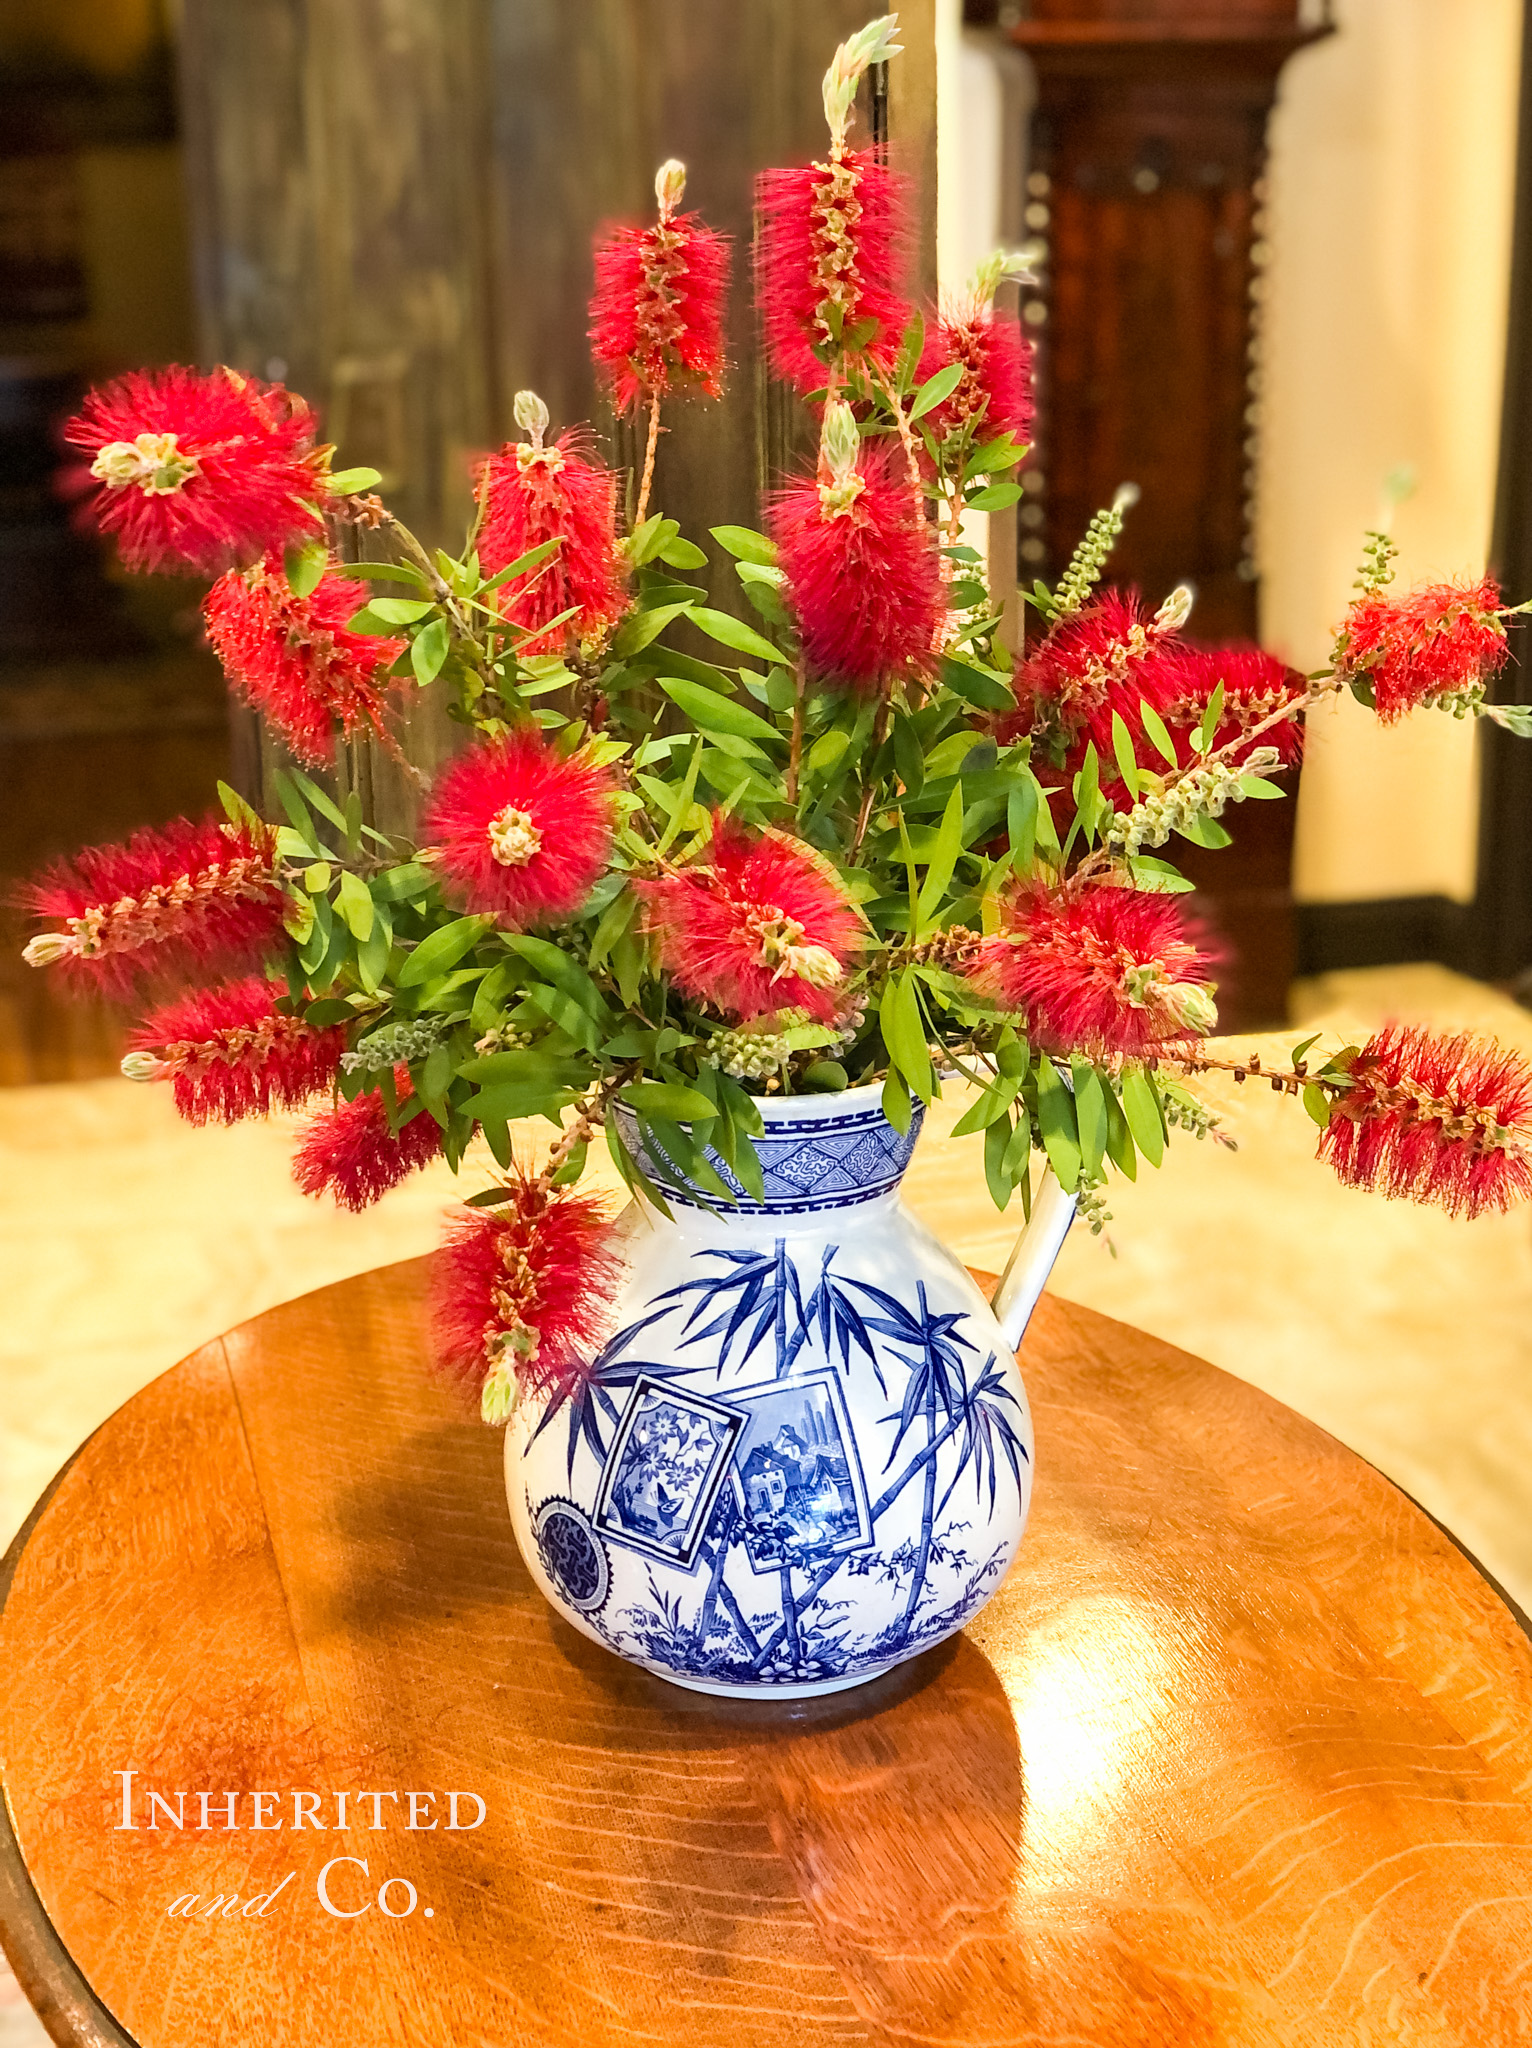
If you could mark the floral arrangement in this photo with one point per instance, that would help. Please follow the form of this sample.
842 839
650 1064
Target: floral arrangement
864 843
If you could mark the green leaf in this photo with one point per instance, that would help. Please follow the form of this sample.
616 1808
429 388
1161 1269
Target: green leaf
344 483
561 968
1158 732
1056 1124
994 497
1305 1044
935 389
403 884
897 1104
827 751
1212 713
980 687
1021 809
705 708
983 1110
305 566
1156 877
532 559
904 1033
1122 748
669 1100
428 650
505 1102
1091 1120
645 541
949 844
400 611
639 628
1317 1102
442 949
1205 832
1119 1139
571 1017
1141 1106
997 1140
372 953
1258 787
683 554
354 904
731 632
745 544
909 760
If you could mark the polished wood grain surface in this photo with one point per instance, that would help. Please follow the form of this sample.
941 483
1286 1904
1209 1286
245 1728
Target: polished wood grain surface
1241 1753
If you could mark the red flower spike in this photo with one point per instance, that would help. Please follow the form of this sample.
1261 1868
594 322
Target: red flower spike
657 313
1108 656
197 473
523 1293
831 245
229 1052
534 494
994 393
520 833
177 898
765 925
1107 972
293 659
349 1151
863 577
1435 1117
1255 685
1438 646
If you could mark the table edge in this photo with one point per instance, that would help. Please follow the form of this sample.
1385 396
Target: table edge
53 1981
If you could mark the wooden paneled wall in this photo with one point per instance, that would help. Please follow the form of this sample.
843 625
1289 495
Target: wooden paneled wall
393 207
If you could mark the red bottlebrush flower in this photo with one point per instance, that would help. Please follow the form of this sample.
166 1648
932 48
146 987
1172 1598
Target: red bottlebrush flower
349 1151
1437 647
523 1293
829 252
1111 973
994 393
1255 684
862 574
172 898
765 925
196 472
1443 1118
535 494
229 1052
1108 656
657 313
518 832
292 658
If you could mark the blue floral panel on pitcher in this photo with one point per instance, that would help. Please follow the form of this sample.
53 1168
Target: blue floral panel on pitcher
797 1480
664 1471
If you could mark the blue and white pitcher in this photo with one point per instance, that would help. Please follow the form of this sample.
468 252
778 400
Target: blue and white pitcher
805 1454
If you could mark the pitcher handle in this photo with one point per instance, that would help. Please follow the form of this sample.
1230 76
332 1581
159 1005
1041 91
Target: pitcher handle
1031 1262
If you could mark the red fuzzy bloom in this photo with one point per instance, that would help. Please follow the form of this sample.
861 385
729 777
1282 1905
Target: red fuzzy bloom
1108 656
765 925
349 1151
1255 685
538 494
994 393
1444 1118
1442 642
292 658
229 1052
828 256
199 472
863 575
173 898
657 313
1107 972
520 833
523 1293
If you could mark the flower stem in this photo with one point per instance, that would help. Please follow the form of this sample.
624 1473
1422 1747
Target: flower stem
864 815
647 485
795 752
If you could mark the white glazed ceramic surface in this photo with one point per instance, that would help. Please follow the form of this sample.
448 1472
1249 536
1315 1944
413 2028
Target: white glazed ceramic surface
805 1454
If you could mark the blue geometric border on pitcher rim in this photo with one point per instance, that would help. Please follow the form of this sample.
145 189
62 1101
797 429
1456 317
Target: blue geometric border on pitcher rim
831 1162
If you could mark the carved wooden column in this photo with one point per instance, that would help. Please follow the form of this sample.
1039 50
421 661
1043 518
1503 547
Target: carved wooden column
1144 196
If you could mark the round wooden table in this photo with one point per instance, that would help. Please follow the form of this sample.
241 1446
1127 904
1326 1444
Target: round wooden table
1240 1753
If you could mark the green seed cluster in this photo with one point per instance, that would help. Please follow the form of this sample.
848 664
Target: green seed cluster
1202 792
502 1038
394 1046
1189 1115
747 1055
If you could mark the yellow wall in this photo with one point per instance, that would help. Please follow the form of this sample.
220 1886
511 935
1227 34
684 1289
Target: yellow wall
1389 228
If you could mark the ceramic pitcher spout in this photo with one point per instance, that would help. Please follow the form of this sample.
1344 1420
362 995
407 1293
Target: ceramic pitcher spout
1027 1269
